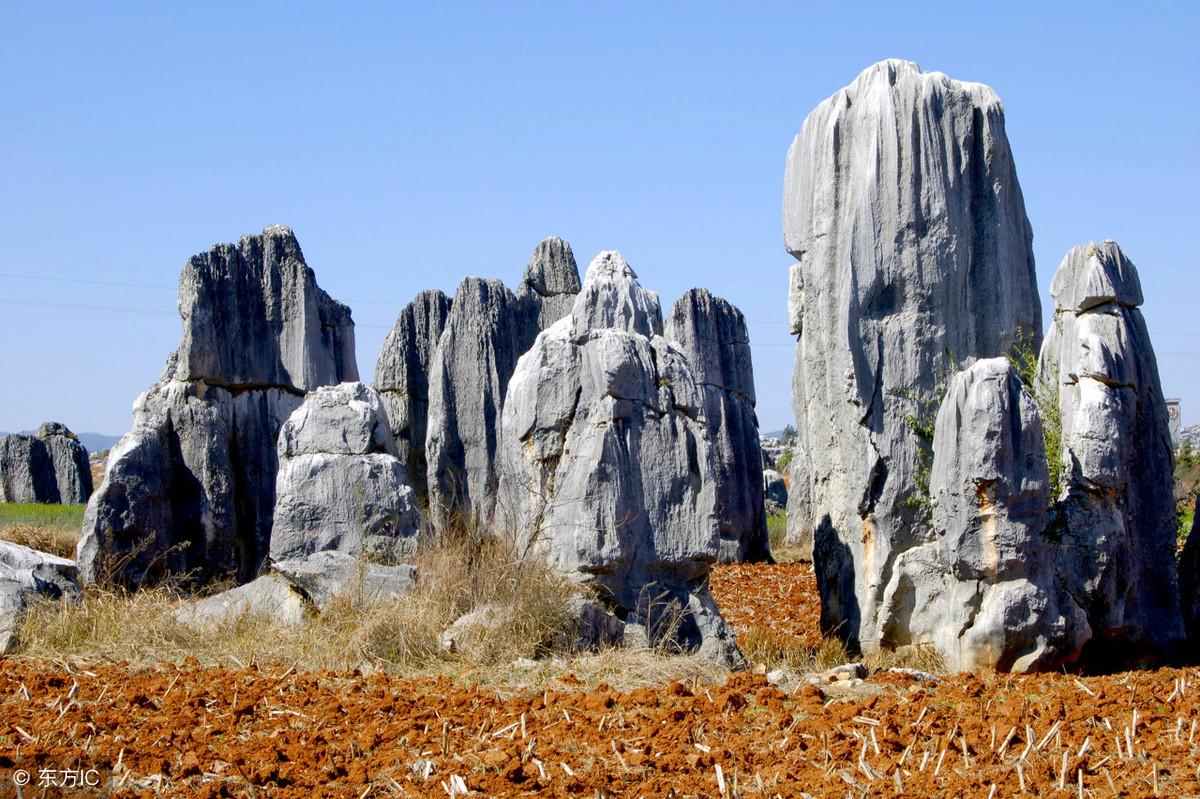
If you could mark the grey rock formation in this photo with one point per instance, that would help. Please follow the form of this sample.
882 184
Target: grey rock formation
712 335
1116 512
12 611
341 485
190 490
26 575
402 377
327 576
902 208
548 288
607 468
270 598
254 317
50 466
475 358
800 526
295 591
1189 582
775 488
982 591
39 572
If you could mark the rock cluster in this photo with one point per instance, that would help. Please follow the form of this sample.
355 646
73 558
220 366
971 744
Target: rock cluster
444 370
1116 512
191 488
983 589
609 464
713 337
902 209
49 466
341 484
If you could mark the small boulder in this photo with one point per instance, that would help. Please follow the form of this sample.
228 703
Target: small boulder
12 611
327 576
268 598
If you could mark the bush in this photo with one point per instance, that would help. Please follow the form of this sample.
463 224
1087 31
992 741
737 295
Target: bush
1044 390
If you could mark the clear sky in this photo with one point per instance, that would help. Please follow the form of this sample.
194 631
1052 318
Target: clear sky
409 145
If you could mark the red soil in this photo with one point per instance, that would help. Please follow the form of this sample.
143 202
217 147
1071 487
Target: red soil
189 731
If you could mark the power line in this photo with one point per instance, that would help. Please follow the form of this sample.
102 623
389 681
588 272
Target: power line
86 281
81 307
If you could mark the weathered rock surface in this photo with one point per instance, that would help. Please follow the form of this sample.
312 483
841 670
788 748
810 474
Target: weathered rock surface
475 358
327 576
254 317
25 575
712 335
12 609
270 598
902 208
341 485
50 466
608 470
983 590
40 572
1116 513
548 287
800 523
191 488
402 376
294 591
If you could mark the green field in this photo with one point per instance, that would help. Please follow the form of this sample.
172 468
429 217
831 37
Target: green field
50 528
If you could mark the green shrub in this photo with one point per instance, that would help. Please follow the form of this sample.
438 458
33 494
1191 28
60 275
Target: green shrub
1044 390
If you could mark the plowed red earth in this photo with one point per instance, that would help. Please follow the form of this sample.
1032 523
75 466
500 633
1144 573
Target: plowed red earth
781 597
189 731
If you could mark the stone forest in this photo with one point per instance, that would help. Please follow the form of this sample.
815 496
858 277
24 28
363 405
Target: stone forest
975 492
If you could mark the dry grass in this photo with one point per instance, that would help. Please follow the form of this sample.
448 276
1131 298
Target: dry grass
50 528
458 573
54 540
768 648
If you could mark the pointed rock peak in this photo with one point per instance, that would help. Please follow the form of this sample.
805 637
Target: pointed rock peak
902 76
609 266
612 298
711 331
278 230
552 270
1095 274
477 292
49 429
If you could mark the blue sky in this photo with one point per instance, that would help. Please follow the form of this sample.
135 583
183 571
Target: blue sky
411 145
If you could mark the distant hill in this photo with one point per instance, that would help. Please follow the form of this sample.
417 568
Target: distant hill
95 442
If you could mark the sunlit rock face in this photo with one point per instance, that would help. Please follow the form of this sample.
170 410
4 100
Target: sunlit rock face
902 208
608 463
190 490
1116 512
712 334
